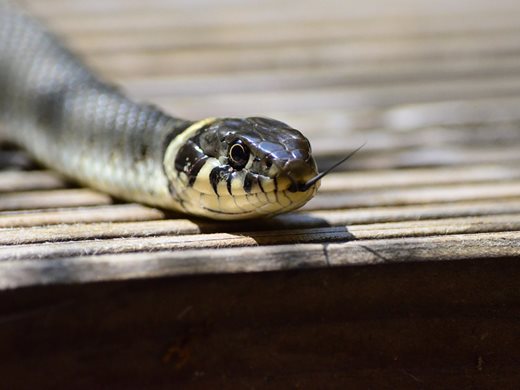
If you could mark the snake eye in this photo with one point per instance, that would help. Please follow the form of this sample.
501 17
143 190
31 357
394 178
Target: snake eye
238 155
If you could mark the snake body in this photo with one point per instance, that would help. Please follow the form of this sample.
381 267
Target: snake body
70 120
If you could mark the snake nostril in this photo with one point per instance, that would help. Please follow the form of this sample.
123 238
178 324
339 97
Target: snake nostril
268 163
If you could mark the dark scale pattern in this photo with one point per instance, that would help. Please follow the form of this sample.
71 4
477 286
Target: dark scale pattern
229 182
249 180
219 174
190 159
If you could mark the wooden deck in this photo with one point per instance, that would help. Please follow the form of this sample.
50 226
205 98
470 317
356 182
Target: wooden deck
433 88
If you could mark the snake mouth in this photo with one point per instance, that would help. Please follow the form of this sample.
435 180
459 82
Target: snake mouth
264 204
298 174
267 196
304 186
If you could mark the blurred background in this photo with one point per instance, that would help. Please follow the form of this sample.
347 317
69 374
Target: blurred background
424 83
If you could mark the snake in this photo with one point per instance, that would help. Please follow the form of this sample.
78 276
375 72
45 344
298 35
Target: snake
74 122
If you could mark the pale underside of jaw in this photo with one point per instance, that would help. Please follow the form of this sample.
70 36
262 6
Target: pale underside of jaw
245 206
265 197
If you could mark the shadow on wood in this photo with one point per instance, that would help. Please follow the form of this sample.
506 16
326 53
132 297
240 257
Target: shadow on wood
430 325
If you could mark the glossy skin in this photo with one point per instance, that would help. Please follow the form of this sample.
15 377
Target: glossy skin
265 177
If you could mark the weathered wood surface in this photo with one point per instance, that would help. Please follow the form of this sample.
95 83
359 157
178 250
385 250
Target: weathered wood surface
430 325
402 273
433 89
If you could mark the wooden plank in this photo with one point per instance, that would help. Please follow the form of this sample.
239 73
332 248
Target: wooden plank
448 226
444 113
231 59
27 272
161 233
172 37
415 212
52 199
296 78
344 98
452 247
19 273
420 156
281 12
59 9
426 195
461 122
170 240
415 177
97 231
11 181
112 213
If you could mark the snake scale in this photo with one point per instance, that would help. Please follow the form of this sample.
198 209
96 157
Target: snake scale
69 119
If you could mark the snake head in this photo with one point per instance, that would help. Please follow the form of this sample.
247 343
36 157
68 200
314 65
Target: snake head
241 168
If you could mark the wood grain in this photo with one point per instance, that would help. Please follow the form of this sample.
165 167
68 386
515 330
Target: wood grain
52 199
74 215
13 181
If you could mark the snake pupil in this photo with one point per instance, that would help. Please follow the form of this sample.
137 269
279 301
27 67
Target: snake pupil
238 155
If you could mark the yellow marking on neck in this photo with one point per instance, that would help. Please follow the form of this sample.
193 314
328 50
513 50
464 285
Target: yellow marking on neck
177 143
